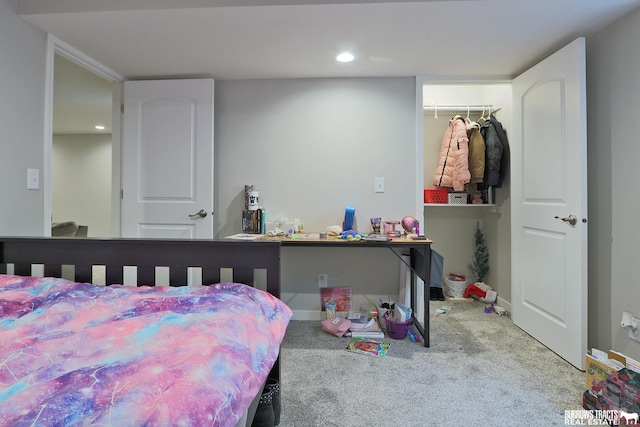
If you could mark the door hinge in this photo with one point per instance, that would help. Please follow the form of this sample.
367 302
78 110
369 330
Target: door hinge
121 194
122 108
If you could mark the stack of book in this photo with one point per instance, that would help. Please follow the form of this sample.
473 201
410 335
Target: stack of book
363 326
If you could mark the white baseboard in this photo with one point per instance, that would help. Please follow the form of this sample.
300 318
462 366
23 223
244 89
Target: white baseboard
307 315
504 304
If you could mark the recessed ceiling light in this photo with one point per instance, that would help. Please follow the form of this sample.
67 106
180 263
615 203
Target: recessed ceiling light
99 127
345 57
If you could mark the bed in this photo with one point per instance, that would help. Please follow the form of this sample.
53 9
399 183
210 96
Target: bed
76 352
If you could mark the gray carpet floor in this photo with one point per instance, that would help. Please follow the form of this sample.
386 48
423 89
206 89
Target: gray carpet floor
481 370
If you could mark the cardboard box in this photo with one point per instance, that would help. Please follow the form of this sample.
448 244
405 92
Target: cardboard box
610 388
613 400
596 371
631 393
614 385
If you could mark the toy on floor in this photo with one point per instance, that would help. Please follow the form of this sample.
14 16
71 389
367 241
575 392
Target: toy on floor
481 291
500 311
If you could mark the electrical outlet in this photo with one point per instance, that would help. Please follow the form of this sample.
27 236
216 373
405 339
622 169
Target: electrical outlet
634 335
323 280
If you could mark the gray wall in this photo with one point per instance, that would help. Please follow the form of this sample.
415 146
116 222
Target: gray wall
613 91
22 70
81 181
311 147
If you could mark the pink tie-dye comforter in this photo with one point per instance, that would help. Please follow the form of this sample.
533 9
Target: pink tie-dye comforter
81 354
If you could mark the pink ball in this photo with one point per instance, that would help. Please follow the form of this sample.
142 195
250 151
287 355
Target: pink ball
410 224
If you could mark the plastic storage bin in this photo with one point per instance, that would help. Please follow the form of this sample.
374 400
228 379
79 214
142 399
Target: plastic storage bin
435 195
397 330
458 198
455 288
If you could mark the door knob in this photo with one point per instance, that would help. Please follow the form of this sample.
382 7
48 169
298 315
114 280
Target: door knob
571 219
201 213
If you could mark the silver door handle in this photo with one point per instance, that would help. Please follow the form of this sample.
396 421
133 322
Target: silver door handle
571 219
201 213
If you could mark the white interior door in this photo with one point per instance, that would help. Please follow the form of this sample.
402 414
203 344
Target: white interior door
549 182
167 159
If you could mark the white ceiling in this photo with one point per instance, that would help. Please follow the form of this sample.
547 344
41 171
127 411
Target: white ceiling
253 39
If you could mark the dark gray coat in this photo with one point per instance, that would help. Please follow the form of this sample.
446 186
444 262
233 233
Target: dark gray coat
496 153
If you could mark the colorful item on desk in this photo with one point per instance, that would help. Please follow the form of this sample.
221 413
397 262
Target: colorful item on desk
390 228
410 225
253 199
376 223
263 222
352 235
349 217
334 230
305 236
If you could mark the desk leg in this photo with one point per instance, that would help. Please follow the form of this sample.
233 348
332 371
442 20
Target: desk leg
421 266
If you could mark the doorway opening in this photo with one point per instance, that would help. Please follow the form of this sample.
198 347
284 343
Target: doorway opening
81 152
81 179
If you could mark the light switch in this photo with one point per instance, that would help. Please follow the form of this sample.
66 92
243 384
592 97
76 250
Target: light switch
378 185
33 179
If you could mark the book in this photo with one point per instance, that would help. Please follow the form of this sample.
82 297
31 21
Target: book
364 323
365 334
372 348
377 238
245 236
340 296
401 313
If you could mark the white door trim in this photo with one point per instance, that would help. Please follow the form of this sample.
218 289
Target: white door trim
57 46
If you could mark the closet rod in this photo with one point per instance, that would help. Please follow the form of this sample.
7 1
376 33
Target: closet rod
461 108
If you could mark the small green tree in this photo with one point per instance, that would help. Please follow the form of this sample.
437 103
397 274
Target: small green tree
480 262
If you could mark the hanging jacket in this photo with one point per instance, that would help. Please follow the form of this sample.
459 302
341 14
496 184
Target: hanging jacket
496 153
453 165
506 152
493 154
476 153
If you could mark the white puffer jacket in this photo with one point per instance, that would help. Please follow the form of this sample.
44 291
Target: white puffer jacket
453 165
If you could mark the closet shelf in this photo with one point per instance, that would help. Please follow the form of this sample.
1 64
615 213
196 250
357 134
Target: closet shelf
453 205
491 208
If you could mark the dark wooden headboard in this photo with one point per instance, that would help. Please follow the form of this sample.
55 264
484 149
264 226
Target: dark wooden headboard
57 254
